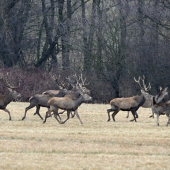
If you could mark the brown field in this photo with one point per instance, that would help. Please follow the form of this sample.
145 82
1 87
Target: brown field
95 145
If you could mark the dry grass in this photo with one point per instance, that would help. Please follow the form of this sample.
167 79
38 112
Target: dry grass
95 145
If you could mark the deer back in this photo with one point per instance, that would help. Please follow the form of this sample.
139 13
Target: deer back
128 103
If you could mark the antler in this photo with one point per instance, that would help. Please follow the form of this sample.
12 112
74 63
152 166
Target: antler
59 82
83 81
144 86
72 80
4 78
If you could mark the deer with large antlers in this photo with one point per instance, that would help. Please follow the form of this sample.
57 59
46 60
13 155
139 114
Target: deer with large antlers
129 104
68 102
6 98
149 98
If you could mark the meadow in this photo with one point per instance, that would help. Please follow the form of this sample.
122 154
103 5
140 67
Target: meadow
94 145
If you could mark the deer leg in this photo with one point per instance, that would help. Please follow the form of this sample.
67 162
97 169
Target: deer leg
158 119
108 111
55 115
75 112
37 112
113 115
72 114
26 109
134 115
152 114
68 116
127 114
168 119
5 110
47 115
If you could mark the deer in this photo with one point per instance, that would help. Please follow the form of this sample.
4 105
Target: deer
129 104
148 97
40 100
6 98
68 102
161 108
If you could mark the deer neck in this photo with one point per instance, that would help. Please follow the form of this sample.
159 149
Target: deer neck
79 101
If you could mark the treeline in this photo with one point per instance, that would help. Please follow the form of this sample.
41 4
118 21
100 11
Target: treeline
110 42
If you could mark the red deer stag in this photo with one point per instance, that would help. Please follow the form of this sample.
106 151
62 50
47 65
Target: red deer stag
68 103
5 99
128 104
148 98
161 108
40 100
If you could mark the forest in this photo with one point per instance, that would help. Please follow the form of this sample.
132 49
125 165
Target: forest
109 42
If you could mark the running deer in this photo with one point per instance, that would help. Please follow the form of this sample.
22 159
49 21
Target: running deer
6 98
148 97
40 100
161 108
68 102
129 104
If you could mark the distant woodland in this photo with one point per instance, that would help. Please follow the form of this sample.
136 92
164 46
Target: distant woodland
109 41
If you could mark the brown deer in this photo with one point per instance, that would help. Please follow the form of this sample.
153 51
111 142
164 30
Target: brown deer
6 98
68 102
161 108
40 100
148 98
129 104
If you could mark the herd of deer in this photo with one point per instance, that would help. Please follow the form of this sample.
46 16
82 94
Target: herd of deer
70 100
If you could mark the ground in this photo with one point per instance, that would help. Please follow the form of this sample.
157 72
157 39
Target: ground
95 145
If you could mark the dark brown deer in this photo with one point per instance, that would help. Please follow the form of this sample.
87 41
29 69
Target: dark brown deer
129 104
6 98
68 102
40 100
148 97
161 108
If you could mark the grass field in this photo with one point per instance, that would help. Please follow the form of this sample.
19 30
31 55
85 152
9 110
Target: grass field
95 145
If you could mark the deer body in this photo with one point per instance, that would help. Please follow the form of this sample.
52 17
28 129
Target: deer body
66 103
126 104
161 108
41 100
131 103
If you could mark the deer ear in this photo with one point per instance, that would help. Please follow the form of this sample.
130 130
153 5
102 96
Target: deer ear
160 88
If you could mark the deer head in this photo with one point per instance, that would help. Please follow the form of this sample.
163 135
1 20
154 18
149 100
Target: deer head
5 78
